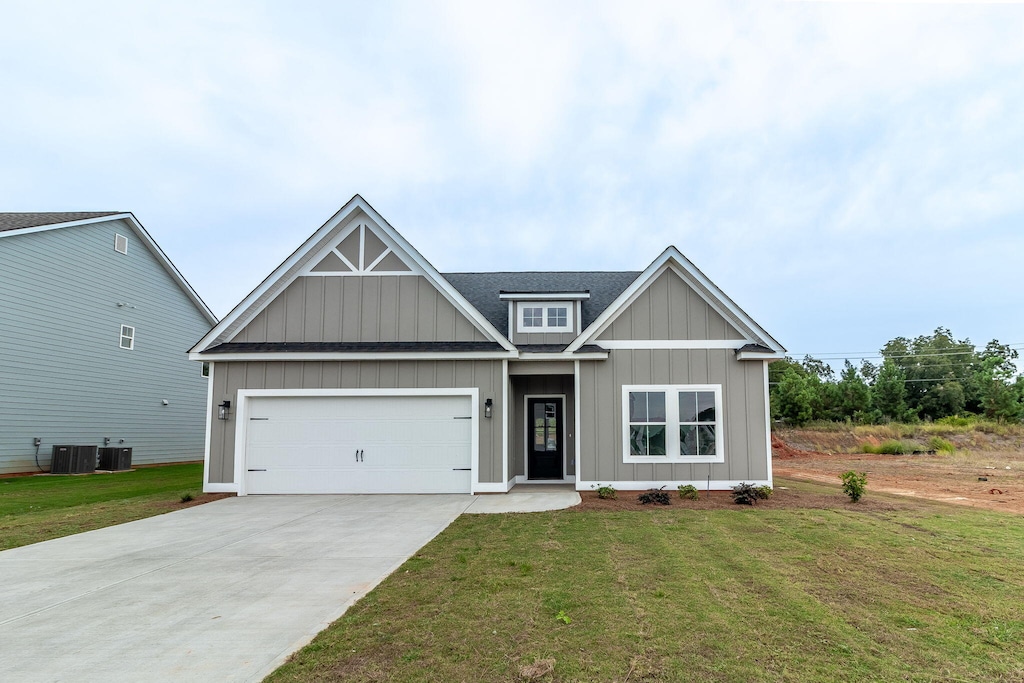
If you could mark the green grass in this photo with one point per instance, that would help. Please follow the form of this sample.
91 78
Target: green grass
38 508
912 591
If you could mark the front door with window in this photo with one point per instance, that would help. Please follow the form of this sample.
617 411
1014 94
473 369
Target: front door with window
544 438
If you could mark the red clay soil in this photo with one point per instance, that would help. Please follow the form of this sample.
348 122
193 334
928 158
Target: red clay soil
986 479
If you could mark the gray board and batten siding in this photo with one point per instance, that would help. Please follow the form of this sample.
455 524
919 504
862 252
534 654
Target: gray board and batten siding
744 419
371 308
669 309
228 378
64 377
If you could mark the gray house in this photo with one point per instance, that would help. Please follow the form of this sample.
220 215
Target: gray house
94 327
356 367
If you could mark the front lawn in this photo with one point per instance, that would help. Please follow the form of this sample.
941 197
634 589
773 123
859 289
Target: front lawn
902 590
38 508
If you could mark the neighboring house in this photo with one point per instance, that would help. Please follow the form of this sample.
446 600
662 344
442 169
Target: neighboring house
95 324
356 367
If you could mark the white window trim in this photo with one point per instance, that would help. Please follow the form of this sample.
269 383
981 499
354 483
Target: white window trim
671 392
130 336
570 313
119 236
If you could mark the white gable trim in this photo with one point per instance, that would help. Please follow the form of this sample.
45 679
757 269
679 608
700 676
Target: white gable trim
672 259
251 305
146 239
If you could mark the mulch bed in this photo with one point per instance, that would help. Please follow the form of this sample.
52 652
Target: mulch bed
781 499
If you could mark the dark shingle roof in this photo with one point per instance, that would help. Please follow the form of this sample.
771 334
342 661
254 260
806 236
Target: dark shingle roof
559 348
354 347
16 221
483 290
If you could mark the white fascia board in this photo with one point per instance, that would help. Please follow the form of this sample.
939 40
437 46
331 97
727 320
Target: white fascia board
141 233
67 224
544 296
759 355
672 258
328 356
699 344
343 214
563 356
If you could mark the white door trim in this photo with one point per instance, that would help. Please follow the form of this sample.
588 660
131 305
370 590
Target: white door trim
242 419
526 439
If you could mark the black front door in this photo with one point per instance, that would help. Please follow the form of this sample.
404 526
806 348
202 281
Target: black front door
544 450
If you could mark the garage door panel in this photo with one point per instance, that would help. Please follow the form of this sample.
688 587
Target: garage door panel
407 444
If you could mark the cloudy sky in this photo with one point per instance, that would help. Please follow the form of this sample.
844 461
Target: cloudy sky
846 172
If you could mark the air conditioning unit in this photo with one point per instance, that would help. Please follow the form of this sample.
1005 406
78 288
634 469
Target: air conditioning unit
73 460
115 459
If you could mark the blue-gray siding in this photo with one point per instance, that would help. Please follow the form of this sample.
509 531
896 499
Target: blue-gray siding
63 376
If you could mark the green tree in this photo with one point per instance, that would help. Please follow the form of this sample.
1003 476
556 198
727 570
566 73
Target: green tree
853 396
936 368
794 397
889 392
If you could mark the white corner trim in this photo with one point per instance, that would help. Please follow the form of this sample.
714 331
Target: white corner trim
577 415
209 429
504 419
670 485
768 424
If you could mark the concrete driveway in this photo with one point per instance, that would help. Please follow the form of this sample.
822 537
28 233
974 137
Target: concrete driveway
218 592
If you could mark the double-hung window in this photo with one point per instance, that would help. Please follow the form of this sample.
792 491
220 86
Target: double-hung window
545 316
672 423
127 337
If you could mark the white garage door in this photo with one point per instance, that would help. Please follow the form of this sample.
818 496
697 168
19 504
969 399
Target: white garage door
358 444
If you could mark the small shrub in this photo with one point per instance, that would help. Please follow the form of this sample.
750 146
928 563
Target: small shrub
688 492
854 484
956 421
606 492
764 492
940 445
745 494
187 496
655 496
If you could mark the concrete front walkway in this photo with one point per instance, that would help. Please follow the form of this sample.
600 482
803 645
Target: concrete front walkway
218 592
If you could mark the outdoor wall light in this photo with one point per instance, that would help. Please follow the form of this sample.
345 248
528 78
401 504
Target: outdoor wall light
222 410
488 404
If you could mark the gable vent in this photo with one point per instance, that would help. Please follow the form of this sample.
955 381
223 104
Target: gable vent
120 244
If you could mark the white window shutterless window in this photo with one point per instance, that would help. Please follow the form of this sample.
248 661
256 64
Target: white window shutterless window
545 316
672 423
127 337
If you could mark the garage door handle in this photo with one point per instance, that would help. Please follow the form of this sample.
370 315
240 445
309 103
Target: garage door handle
462 469
257 470
359 455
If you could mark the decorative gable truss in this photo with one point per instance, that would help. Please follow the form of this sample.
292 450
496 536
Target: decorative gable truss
355 243
361 252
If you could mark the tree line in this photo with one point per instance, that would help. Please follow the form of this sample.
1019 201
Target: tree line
926 378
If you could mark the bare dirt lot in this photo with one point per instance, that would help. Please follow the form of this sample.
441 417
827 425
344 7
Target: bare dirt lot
987 475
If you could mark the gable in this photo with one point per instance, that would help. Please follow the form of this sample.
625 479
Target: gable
354 280
370 308
670 309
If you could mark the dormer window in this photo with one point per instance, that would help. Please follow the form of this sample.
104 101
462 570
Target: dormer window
545 316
